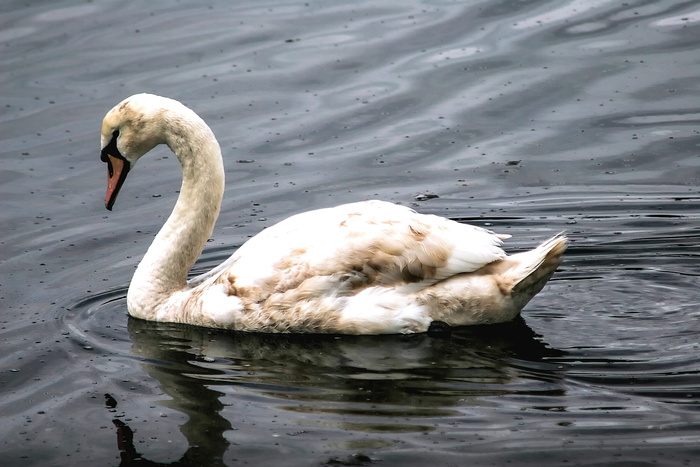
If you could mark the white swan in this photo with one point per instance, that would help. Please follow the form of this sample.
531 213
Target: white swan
363 268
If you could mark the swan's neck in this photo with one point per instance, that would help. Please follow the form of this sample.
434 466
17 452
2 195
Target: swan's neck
163 270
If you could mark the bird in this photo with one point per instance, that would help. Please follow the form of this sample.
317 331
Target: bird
367 267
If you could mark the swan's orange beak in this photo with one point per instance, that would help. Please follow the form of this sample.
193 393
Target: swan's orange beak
117 169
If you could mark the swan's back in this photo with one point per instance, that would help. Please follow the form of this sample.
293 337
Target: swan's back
373 243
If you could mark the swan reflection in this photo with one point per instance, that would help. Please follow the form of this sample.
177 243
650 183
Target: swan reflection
358 383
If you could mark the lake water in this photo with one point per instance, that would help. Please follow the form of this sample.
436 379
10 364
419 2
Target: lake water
527 117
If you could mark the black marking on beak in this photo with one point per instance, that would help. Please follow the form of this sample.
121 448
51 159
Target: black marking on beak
111 148
117 170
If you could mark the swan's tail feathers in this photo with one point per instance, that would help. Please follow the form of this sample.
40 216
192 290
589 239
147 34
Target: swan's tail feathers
535 267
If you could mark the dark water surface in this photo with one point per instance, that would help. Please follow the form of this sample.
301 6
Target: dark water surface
529 117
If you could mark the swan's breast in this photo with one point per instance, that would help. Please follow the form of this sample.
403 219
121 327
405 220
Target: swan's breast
215 306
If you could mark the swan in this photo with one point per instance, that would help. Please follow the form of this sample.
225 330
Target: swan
370 267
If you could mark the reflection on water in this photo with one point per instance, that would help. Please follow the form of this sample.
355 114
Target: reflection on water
364 384
167 358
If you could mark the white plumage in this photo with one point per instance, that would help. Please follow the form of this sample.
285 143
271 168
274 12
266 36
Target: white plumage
363 268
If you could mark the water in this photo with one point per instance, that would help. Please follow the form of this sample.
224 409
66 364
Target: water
526 117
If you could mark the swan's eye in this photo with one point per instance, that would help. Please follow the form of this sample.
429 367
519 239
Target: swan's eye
111 148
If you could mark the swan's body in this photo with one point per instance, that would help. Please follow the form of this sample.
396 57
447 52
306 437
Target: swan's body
364 268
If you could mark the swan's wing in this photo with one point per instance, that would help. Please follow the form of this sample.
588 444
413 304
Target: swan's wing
354 246
201 278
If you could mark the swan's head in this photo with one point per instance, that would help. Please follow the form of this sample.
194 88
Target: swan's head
131 129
